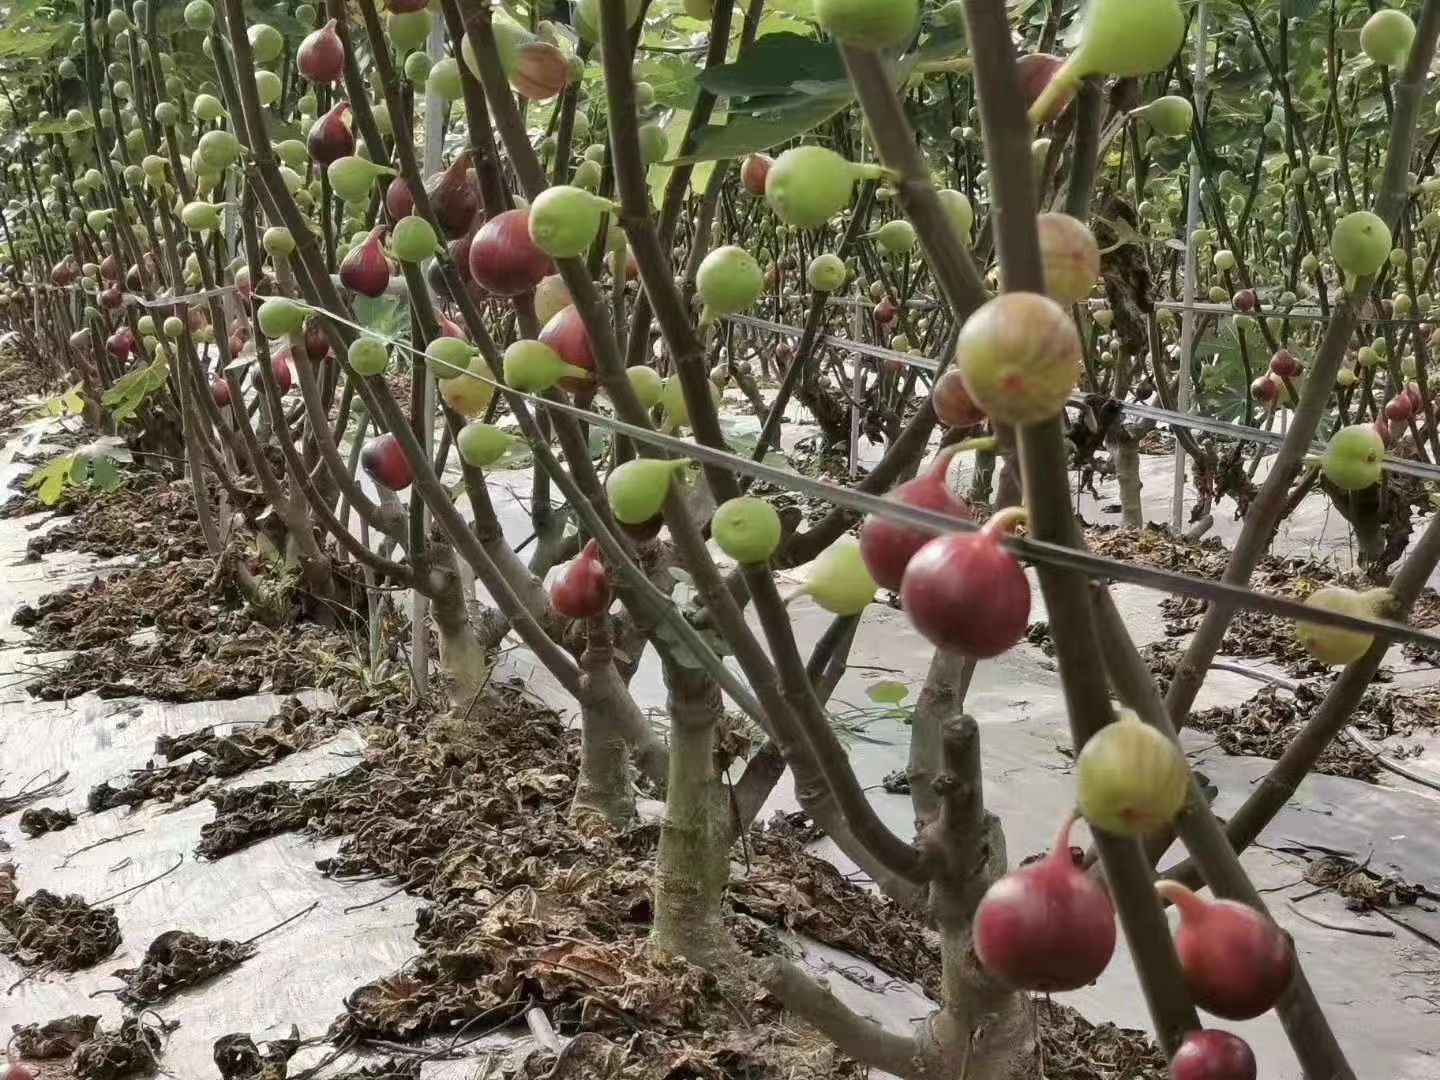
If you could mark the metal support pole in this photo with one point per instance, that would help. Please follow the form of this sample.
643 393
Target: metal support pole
1187 318
857 387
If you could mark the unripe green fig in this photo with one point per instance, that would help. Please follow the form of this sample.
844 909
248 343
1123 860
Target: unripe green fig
533 367
99 220
218 149
673 407
588 175
470 393
1359 245
199 15
826 273
961 212
353 178
1132 780
278 316
1224 260
265 42
408 29
1019 355
747 529
654 143
67 69
1126 38
869 24
207 107
1386 37
173 326
1353 457
729 281
564 220
1170 116
413 240
277 242
637 489
1331 645
417 68
896 237
807 185
166 113
481 445
445 79
200 216
367 355
838 580
449 357
647 384
585 16
268 87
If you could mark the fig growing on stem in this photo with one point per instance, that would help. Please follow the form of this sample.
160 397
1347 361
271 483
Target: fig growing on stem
564 220
1048 926
1386 37
481 445
886 545
963 591
838 580
366 270
729 280
1332 645
1019 354
1360 245
1354 457
503 258
413 240
747 529
455 197
321 57
1213 1055
384 462
331 136
869 24
532 367
580 591
807 185
1236 961
1131 778
1070 257
637 488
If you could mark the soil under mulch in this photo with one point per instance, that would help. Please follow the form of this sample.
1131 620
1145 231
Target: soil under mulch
528 907
292 728
147 515
49 932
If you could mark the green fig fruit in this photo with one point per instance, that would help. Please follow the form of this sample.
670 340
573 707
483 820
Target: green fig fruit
838 580
637 488
747 529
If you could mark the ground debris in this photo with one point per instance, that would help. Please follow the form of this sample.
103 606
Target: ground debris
39 820
178 959
1362 888
146 516
1266 724
1072 1048
292 728
52 1039
44 930
133 1049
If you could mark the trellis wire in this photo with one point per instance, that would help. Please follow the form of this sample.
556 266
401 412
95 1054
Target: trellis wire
1077 559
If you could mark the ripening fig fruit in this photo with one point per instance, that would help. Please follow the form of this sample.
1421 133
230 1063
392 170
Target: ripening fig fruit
1069 256
1035 72
220 392
353 178
384 462
321 57
869 24
580 591
469 393
365 269
838 580
1132 779
1170 116
1117 37
826 272
481 445
637 488
1354 456
413 239
564 220
455 197
747 529
552 295
367 355
1047 926
1213 1055
964 592
1236 961
1360 245
886 545
1330 644
1386 37
896 237
278 316
952 402
958 207
754 171
532 367
729 281
807 185
503 258
1019 354
332 136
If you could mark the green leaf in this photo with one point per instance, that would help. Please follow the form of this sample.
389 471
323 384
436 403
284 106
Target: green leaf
60 127
386 316
51 479
759 131
887 692
779 64
31 30
105 474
